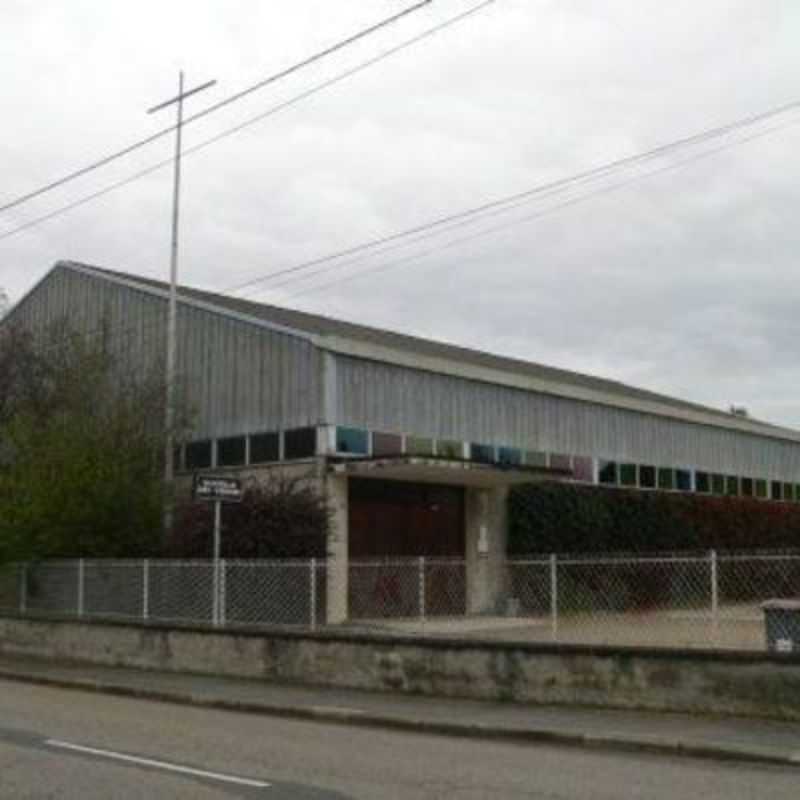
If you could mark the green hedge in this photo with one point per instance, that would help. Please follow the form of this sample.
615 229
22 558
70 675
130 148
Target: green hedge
565 518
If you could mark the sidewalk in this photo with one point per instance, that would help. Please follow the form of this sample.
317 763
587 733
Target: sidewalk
669 734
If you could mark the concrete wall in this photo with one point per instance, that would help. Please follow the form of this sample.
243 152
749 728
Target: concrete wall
721 683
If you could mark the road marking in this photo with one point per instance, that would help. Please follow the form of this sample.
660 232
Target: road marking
149 762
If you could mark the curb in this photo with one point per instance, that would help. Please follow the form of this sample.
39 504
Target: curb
611 743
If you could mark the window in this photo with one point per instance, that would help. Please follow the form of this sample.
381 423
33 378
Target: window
177 453
776 490
607 473
231 451
748 489
198 455
797 492
666 478
449 449
718 484
732 486
483 453
702 482
647 477
265 447
761 489
627 475
583 469
352 440
300 443
788 491
535 458
558 461
419 446
510 456
683 480
386 444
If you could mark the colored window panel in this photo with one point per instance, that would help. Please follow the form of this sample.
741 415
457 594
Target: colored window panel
748 487
718 484
419 446
583 469
510 456
627 475
198 455
607 473
666 478
352 440
265 447
647 477
386 444
231 451
788 491
732 486
683 480
558 461
483 453
449 449
761 488
776 490
536 458
300 443
702 482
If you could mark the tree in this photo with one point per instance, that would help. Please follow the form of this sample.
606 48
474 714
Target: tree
81 441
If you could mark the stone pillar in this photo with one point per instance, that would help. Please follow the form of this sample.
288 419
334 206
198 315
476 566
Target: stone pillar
338 561
486 539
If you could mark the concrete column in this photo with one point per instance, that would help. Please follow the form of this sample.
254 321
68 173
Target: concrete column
486 539
338 560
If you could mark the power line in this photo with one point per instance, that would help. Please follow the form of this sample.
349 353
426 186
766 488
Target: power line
251 121
215 107
531 217
509 202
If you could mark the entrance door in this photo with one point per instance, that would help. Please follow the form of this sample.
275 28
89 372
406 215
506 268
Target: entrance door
392 524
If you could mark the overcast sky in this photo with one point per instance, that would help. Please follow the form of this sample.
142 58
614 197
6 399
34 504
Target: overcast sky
684 282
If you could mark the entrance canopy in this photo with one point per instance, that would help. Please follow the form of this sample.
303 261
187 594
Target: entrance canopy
445 471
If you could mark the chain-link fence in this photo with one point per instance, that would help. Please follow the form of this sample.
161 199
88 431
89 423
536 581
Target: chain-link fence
672 601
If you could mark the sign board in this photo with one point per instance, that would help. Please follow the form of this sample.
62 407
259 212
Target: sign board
217 488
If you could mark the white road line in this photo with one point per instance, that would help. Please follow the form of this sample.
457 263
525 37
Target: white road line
149 762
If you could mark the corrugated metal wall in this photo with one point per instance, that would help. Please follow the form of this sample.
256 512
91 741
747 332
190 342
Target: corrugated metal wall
379 396
238 377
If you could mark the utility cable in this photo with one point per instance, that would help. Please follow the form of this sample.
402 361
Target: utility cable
251 121
215 107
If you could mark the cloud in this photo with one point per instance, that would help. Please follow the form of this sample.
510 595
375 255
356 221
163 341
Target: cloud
683 282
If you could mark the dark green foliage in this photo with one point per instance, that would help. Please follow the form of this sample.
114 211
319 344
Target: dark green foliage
564 518
281 518
81 442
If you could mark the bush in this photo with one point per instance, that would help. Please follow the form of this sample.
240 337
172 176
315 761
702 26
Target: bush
281 518
565 518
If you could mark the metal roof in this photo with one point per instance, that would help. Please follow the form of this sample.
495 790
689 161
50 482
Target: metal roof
553 380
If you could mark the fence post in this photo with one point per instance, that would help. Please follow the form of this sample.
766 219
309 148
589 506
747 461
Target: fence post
312 596
80 587
146 588
714 599
23 590
223 574
422 588
554 596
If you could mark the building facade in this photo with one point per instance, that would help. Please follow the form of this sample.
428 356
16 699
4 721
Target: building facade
415 441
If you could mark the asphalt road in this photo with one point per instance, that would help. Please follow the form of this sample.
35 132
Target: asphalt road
66 744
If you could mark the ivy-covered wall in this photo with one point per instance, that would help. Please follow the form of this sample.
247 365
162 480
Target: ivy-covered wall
564 518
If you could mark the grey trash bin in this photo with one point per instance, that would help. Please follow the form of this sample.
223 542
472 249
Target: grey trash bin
782 620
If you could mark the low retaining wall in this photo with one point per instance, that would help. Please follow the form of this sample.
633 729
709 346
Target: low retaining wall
766 685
